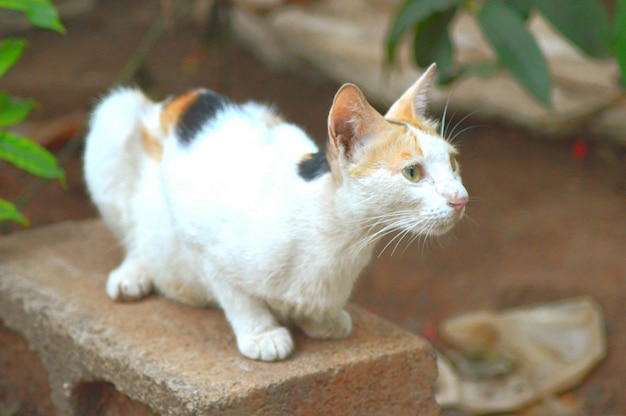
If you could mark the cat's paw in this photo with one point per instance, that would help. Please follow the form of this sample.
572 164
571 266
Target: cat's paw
335 327
273 345
126 284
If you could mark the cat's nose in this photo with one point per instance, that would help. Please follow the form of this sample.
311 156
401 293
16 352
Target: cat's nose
458 202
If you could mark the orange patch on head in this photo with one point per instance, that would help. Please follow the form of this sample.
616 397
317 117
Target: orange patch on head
172 111
391 151
151 145
424 125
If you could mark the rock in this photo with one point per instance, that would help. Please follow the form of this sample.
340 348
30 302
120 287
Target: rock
184 361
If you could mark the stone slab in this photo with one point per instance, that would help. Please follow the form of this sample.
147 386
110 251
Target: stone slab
180 360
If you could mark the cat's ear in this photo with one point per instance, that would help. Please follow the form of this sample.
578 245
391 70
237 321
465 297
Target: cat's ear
352 121
412 104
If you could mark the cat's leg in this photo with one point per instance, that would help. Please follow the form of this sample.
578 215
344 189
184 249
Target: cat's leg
259 335
335 326
130 281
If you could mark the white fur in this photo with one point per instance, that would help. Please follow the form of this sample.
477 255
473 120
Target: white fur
227 220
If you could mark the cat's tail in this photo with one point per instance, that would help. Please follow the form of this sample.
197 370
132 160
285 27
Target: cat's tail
115 155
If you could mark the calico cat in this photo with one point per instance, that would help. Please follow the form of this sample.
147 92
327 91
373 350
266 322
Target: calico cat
228 205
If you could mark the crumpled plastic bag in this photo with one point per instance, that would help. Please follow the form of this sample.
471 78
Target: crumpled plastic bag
502 361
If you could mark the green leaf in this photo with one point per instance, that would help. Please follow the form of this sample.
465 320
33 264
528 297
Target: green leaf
584 22
13 110
619 37
10 51
484 69
29 156
8 211
41 13
412 13
516 48
432 43
523 8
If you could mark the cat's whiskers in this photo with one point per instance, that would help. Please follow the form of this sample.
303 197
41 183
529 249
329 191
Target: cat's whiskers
470 220
442 128
472 224
396 214
400 221
370 239
449 130
445 130
450 134
426 239
402 235
412 240
378 220
473 200
386 229
423 235
399 236
403 222
452 139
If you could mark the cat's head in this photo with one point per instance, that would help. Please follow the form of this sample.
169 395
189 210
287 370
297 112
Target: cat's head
395 167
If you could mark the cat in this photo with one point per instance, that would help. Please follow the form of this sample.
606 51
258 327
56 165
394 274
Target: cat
228 205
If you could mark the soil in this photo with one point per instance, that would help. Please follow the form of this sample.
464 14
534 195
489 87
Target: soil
546 220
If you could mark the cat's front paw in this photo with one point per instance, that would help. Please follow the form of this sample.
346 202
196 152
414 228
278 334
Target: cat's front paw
273 345
334 327
127 283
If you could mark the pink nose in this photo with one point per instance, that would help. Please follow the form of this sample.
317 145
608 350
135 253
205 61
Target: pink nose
458 203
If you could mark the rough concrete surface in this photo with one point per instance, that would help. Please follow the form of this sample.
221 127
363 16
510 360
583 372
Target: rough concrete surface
183 361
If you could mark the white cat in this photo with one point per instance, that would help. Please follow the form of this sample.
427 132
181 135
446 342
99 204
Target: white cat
226 204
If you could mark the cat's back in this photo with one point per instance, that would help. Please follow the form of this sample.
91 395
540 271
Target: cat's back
223 157
204 124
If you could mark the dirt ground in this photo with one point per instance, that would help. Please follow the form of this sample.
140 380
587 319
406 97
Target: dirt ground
545 225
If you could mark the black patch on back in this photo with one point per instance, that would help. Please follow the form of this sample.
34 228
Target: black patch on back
205 107
314 166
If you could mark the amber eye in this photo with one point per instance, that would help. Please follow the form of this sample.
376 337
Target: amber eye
453 163
412 173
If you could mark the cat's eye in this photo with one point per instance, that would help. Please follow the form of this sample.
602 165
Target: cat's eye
412 173
453 163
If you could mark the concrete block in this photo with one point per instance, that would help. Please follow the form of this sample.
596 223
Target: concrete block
179 360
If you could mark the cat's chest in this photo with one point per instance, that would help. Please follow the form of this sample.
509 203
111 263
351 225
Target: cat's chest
318 289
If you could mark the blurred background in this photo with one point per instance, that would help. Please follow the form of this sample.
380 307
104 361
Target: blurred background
547 217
